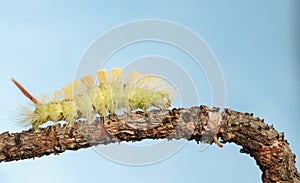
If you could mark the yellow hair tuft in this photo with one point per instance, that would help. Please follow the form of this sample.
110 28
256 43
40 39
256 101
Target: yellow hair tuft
88 81
116 74
77 89
103 77
134 77
67 90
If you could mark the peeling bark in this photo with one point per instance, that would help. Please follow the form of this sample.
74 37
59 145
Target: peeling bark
262 142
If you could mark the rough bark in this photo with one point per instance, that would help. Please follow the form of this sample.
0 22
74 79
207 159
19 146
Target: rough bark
268 147
262 142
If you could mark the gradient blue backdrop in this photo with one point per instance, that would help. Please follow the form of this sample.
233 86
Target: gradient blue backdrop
256 43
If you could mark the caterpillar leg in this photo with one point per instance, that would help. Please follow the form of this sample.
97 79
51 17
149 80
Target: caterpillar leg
103 130
217 141
69 126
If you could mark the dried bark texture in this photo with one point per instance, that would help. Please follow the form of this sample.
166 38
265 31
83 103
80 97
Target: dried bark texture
261 141
268 147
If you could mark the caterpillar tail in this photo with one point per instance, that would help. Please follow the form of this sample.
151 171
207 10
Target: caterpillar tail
24 91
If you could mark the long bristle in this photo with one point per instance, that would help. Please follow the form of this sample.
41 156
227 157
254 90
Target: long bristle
24 91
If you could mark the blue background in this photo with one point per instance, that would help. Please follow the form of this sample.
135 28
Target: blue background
255 42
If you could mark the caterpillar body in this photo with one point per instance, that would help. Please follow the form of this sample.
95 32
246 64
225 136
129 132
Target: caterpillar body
85 98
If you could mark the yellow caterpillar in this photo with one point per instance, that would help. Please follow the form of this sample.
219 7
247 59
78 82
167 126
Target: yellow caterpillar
86 98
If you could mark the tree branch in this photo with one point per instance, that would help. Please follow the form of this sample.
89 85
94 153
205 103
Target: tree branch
263 142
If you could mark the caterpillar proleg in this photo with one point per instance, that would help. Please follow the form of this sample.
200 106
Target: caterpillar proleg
85 98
